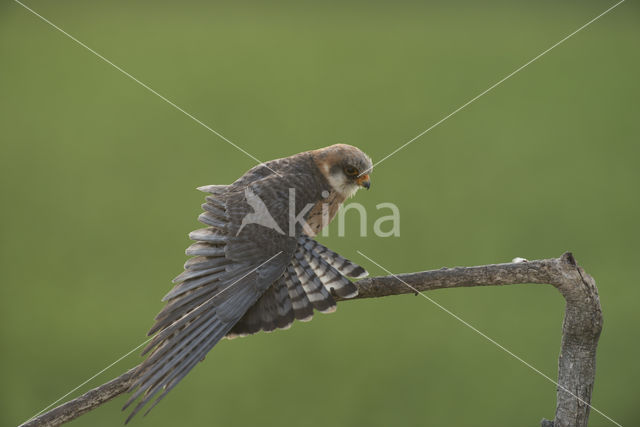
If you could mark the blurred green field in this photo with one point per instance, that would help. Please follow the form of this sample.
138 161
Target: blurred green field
98 178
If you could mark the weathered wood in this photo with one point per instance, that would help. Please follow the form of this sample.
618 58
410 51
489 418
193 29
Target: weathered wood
85 403
580 330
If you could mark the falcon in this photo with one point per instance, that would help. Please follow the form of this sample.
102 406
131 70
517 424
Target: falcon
256 266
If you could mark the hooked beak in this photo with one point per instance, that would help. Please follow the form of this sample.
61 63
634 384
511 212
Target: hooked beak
364 181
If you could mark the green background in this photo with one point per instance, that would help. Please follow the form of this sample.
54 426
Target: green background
98 177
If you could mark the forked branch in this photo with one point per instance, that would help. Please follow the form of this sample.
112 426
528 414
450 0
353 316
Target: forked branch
580 330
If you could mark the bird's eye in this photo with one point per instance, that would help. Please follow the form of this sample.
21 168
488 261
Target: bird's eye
350 171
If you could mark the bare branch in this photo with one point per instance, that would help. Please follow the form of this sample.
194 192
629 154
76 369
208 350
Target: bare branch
580 330
85 403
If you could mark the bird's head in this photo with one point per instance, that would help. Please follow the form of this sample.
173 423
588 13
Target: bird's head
345 167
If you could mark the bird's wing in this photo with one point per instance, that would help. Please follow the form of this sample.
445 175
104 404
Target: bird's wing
226 276
313 275
273 310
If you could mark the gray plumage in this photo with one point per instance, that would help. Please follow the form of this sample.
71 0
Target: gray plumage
244 277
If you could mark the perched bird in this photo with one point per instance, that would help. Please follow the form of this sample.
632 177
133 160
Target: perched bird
256 266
